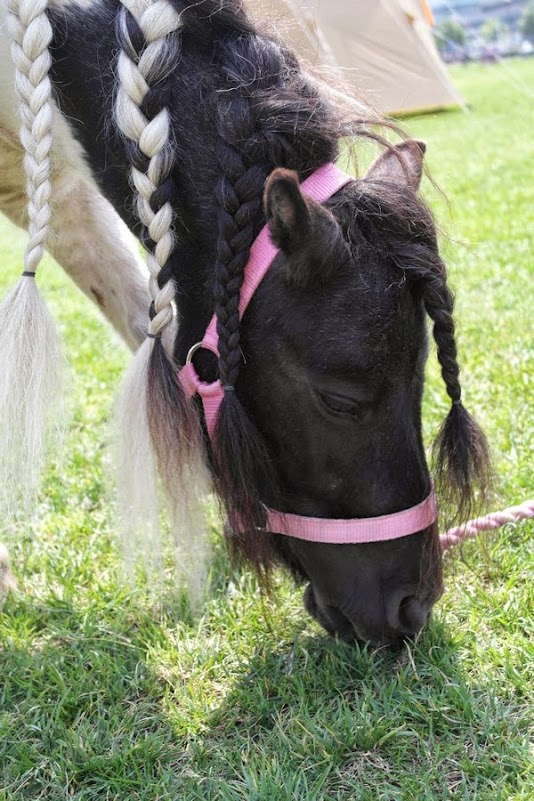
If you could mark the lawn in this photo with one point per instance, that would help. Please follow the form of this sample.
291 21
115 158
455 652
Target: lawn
107 692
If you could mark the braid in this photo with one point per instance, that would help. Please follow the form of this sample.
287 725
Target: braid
461 452
32 33
247 150
160 428
239 203
150 52
30 354
439 304
242 464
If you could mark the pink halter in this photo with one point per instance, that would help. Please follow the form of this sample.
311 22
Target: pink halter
320 186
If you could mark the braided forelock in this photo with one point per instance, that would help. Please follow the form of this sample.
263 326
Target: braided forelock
242 464
461 456
164 424
439 305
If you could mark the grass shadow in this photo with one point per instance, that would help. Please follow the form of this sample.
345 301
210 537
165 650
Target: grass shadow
316 719
106 700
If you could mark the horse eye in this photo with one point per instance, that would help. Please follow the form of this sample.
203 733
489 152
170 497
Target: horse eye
341 405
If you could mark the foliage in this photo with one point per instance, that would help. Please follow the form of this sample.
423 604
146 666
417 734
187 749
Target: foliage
111 693
492 30
451 31
526 24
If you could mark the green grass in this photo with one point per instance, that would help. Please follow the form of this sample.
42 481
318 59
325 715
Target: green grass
107 693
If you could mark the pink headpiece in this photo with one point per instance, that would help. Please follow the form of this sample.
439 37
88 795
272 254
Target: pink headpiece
320 186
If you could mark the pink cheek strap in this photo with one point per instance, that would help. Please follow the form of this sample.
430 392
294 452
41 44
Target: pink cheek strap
210 393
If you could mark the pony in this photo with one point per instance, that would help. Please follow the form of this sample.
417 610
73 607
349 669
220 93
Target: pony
199 129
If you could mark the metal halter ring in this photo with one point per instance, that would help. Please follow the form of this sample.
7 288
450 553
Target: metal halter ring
192 351
200 346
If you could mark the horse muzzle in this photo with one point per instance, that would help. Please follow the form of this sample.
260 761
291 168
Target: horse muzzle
385 621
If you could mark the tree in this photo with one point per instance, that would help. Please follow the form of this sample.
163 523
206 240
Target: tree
492 30
526 24
451 31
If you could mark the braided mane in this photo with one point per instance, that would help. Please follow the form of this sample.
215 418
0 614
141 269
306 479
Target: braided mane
267 113
161 429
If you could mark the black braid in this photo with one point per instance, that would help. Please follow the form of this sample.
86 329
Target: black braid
401 228
269 114
248 148
439 304
461 454
242 464
238 195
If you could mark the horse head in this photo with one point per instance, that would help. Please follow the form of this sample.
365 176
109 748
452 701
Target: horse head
334 347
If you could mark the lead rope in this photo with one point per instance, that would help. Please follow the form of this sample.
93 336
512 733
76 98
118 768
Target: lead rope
490 522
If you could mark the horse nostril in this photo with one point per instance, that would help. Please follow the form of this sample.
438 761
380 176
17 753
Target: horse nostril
407 615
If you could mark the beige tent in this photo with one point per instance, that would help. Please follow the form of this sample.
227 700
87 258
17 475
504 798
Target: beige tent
384 48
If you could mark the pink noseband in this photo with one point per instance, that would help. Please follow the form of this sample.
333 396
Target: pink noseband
320 186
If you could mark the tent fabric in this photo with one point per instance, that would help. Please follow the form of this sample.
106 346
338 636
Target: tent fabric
383 48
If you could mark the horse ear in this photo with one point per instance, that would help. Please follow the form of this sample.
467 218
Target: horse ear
302 229
402 164
287 212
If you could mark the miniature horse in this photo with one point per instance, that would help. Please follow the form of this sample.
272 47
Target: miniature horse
199 129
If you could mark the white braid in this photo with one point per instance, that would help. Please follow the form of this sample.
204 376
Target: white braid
32 33
181 470
31 396
153 139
